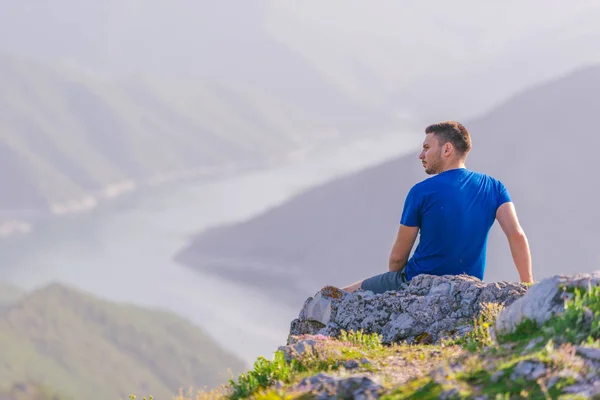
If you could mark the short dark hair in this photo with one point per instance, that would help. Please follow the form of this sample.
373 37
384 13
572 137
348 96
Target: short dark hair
453 132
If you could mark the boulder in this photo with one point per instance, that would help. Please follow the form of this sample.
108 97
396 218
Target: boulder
323 386
428 308
543 300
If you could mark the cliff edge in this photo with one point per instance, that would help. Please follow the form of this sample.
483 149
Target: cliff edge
446 337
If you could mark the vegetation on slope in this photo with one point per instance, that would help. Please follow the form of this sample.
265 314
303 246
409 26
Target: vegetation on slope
66 135
88 348
534 362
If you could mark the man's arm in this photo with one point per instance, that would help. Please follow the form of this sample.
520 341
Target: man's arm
519 246
402 247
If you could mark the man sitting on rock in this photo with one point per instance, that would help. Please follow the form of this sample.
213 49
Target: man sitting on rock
454 212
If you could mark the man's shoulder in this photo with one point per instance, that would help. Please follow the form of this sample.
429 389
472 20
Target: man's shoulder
483 176
434 181
475 177
493 185
429 184
490 178
422 185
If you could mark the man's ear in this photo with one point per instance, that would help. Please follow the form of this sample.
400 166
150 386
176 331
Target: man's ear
447 148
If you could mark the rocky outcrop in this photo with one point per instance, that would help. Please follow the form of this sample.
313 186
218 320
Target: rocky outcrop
426 310
324 386
544 300
549 360
408 358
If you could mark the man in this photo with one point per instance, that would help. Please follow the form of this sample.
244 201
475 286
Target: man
454 212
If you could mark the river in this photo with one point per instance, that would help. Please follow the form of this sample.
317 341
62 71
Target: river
123 251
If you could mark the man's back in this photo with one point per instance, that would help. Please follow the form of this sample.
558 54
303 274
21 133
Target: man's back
454 211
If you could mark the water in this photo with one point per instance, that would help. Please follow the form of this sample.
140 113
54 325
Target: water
123 251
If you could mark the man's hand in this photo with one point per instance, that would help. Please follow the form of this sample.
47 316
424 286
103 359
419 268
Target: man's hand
402 247
519 247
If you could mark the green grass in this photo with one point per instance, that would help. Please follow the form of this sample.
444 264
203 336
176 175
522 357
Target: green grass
264 374
329 356
481 378
479 337
570 326
417 389
371 341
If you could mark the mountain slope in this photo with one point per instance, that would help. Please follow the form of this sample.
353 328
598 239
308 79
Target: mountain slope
69 140
539 143
86 347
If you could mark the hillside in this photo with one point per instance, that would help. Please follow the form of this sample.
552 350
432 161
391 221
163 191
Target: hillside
84 347
30 391
70 140
539 143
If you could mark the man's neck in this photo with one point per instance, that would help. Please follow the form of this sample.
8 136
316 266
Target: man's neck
454 165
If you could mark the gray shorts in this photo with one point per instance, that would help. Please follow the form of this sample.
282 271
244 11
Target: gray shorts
383 282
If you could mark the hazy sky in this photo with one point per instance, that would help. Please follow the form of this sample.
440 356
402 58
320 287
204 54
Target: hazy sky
427 56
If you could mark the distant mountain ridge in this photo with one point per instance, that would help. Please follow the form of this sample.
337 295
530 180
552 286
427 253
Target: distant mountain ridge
84 347
539 143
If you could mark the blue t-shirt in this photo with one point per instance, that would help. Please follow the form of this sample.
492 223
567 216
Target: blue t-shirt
454 211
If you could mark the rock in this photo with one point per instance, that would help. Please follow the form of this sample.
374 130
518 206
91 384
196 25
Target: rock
552 381
588 318
303 346
590 353
543 300
562 374
298 348
587 391
428 308
528 369
401 327
306 327
324 386
332 292
496 376
533 343
424 338
449 394
319 308
351 364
